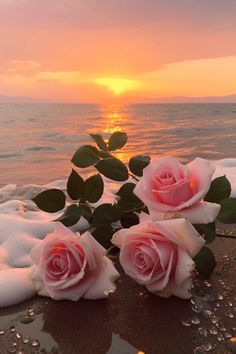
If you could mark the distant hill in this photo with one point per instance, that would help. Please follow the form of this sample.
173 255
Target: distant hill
173 99
20 99
208 99
181 99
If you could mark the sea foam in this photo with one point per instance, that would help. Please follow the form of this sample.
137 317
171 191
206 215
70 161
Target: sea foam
23 225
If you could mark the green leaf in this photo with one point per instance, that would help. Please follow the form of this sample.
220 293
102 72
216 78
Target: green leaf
128 206
220 189
71 215
145 209
138 163
117 211
99 141
85 156
75 185
104 154
86 212
51 200
129 219
117 141
126 192
113 168
227 214
208 230
205 261
93 188
105 214
103 235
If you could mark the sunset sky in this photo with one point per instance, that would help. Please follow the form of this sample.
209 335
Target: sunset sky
125 50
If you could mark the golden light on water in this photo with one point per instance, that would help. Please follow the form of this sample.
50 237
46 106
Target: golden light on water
113 117
117 85
113 121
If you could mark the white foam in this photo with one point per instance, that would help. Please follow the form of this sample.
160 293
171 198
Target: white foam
22 226
16 286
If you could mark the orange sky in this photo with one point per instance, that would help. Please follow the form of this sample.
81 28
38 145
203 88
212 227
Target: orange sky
120 50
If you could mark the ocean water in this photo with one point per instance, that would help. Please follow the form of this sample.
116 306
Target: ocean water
38 140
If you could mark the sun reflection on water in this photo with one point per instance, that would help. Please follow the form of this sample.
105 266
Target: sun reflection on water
113 116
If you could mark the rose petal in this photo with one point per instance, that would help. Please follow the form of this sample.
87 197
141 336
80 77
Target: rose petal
144 188
88 239
202 213
158 286
201 176
163 249
63 283
103 284
129 263
181 285
182 233
184 267
73 293
118 237
39 249
143 217
201 171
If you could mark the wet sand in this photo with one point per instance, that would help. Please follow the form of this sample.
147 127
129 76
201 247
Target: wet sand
131 320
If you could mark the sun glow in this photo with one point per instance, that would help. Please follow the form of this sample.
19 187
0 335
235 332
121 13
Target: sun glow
117 85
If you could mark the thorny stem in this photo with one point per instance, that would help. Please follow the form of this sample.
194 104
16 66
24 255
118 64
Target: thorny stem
233 237
109 249
134 177
87 204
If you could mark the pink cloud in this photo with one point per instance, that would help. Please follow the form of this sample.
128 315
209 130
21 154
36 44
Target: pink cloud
120 38
94 14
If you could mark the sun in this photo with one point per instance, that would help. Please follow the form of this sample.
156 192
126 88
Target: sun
117 85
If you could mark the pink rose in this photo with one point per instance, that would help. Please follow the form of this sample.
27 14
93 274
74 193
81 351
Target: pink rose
70 266
159 255
172 190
